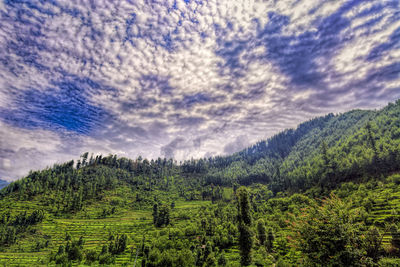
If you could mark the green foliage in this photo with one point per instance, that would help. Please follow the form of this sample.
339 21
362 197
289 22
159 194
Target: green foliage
328 235
222 260
244 220
261 232
170 258
395 242
13 226
244 209
118 245
245 243
106 258
161 216
270 240
389 262
373 243
71 252
91 256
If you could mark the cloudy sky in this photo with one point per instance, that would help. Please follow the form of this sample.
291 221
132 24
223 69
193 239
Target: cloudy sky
183 78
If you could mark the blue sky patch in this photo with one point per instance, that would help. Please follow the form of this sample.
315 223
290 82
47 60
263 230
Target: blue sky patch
184 78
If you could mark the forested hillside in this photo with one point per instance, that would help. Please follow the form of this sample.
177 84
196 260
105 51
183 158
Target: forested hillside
321 152
325 193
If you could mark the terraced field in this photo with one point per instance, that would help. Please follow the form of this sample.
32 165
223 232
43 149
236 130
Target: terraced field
386 210
95 224
383 205
95 231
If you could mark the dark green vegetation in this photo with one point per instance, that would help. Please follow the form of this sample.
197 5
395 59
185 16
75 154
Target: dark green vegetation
324 194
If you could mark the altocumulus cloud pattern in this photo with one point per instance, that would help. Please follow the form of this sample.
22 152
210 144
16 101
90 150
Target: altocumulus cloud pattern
183 78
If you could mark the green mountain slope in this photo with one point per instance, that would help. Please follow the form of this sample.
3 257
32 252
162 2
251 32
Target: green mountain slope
324 151
118 211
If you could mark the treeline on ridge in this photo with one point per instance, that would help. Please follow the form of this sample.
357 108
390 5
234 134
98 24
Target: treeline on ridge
323 152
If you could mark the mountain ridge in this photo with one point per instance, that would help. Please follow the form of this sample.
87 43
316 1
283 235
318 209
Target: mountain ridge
294 159
171 215
290 149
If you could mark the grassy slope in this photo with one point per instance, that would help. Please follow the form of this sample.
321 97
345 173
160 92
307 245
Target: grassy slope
89 224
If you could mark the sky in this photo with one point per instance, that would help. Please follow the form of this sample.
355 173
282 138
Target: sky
183 78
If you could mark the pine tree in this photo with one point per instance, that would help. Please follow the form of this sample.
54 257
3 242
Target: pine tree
262 236
244 209
155 213
371 138
244 220
270 240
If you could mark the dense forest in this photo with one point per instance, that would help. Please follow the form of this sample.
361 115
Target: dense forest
324 194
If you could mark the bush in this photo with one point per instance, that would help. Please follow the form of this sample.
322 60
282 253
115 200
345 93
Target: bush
328 235
106 258
61 259
119 245
389 262
90 256
395 178
222 259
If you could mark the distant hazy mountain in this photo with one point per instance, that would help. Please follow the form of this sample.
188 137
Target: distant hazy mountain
3 183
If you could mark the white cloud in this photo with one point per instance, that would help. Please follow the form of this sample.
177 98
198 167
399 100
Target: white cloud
178 48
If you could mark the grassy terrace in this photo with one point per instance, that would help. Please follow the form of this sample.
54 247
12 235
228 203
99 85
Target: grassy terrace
88 224
136 222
